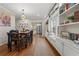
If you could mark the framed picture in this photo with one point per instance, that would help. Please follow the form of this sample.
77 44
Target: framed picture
5 20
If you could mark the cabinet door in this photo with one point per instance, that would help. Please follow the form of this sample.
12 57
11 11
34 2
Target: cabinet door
70 52
59 46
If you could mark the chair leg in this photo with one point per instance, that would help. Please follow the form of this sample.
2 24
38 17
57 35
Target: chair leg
18 46
10 46
26 43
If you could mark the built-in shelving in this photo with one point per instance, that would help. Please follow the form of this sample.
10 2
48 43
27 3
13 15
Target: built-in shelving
62 27
72 7
65 25
68 24
63 16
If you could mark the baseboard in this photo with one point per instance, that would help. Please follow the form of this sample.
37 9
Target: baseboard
3 43
52 46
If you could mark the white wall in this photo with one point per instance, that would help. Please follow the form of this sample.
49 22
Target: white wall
43 28
5 29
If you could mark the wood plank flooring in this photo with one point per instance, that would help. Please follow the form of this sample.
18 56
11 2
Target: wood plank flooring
39 47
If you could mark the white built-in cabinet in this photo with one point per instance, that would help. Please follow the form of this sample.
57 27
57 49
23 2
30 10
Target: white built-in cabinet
64 46
69 52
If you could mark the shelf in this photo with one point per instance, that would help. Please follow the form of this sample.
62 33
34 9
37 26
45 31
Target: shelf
73 7
74 23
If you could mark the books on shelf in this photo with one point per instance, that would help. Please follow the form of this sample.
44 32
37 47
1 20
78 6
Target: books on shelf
67 6
76 16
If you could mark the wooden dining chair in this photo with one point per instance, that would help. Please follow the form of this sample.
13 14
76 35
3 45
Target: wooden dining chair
13 40
9 42
23 40
31 37
28 38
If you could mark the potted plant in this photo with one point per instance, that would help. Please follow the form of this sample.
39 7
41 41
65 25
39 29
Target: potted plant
71 18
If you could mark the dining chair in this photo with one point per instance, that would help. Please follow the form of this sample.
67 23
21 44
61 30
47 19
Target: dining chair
23 40
9 42
31 37
13 39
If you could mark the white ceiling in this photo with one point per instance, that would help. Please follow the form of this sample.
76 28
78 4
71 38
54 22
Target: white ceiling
36 11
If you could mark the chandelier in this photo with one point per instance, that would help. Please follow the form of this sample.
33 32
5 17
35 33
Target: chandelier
24 23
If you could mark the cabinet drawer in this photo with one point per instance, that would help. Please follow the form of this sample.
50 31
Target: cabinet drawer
70 52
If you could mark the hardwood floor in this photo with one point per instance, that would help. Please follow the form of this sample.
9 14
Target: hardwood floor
39 47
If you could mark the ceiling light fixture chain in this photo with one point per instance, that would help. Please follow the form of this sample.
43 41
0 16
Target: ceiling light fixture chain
23 15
